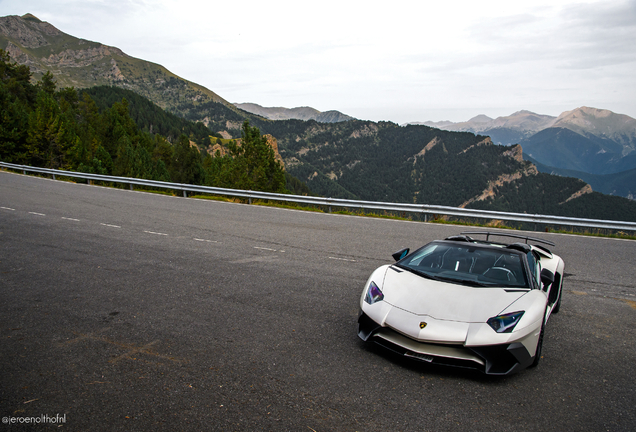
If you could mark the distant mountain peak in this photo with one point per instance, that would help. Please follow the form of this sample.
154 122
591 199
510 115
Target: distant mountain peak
588 112
601 123
31 17
481 118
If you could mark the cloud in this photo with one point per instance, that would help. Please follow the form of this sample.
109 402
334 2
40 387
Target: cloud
365 58
601 34
576 36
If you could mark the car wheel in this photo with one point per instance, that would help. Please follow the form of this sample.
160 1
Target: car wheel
537 354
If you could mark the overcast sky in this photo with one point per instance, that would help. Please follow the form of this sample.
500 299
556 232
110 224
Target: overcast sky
377 60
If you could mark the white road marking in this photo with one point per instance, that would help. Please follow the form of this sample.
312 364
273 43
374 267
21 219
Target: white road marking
207 241
109 225
269 249
7 208
156 233
264 248
37 214
71 219
342 259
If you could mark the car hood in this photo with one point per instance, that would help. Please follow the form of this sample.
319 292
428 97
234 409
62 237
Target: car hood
443 300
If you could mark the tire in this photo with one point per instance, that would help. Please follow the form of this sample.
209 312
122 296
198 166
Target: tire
537 354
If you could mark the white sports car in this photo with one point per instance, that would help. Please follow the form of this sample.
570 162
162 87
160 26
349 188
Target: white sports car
465 302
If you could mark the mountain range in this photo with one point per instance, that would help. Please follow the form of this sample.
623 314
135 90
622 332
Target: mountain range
502 130
352 159
521 125
596 145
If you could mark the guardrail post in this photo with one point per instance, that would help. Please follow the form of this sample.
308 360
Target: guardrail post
423 211
53 176
185 193
131 186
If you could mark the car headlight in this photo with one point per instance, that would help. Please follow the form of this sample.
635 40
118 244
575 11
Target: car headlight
374 294
505 323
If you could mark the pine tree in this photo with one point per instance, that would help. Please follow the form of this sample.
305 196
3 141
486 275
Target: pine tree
186 165
17 96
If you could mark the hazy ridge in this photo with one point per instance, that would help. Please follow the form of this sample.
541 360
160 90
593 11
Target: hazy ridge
299 113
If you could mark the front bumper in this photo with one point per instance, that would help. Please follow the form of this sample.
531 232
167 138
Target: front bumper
492 360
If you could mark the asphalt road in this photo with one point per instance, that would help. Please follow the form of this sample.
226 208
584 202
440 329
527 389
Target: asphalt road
123 310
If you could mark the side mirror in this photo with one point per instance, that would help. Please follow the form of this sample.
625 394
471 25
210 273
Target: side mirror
400 254
547 278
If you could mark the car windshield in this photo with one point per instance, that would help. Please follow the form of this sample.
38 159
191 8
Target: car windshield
468 264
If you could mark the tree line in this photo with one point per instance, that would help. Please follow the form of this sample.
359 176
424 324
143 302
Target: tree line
66 129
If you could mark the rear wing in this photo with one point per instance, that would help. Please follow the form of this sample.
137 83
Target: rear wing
505 234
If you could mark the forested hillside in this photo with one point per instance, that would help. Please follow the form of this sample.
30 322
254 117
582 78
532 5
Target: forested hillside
622 184
415 163
66 129
148 116
564 148
384 161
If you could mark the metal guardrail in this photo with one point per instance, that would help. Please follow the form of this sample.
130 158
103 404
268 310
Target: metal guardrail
337 202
